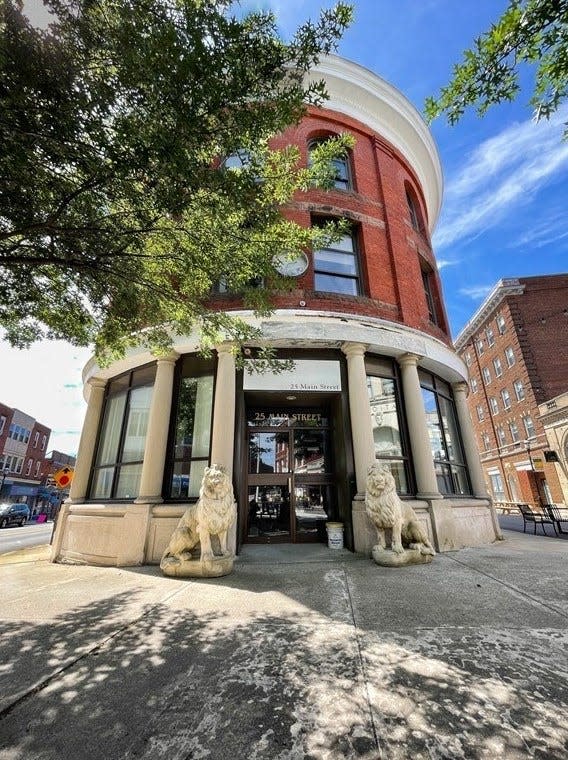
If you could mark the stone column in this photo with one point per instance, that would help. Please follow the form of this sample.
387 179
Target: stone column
152 477
418 430
470 447
86 453
360 410
223 437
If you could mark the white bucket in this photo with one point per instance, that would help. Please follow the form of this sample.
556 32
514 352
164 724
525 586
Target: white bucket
334 535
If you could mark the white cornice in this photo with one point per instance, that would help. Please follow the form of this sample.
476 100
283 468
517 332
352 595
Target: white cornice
504 288
358 92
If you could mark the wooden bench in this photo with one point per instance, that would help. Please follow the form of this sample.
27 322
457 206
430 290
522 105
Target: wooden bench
558 515
536 518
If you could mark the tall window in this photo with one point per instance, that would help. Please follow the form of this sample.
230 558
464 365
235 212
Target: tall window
486 441
428 281
493 405
342 180
514 430
486 375
473 385
497 486
122 439
336 268
414 210
509 356
192 430
506 398
480 413
529 427
2 423
501 436
468 359
519 390
480 346
384 398
500 319
443 431
490 336
498 367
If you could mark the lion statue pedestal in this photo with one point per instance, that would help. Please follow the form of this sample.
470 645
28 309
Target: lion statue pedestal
391 515
212 515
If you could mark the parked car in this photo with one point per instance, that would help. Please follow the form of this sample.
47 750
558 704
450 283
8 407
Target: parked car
14 514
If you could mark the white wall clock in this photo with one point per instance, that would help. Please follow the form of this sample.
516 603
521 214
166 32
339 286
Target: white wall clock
291 267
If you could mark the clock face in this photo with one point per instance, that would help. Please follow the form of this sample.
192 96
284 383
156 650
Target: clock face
291 267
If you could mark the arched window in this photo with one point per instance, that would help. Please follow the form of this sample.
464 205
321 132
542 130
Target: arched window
343 180
414 209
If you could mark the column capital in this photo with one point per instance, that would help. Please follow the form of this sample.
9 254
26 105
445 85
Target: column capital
225 348
353 349
460 387
408 360
96 382
170 358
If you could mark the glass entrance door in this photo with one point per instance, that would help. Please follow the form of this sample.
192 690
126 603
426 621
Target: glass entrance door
290 479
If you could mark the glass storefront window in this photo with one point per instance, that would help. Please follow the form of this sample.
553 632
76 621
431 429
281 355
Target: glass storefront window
385 419
443 431
192 438
122 438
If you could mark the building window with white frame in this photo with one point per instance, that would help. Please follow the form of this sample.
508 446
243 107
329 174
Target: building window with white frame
468 359
514 430
519 389
506 398
498 367
480 413
501 436
497 486
36 439
500 320
529 426
480 346
473 385
493 405
486 441
37 469
2 424
510 356
43 442
490 335
29 466
486 375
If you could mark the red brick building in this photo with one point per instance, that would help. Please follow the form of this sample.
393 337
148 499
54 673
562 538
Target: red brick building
23 446
375 375
516 349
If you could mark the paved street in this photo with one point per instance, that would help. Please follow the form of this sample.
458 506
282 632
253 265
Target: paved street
301 653
14 537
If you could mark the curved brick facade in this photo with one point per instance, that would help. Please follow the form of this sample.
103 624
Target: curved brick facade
373 375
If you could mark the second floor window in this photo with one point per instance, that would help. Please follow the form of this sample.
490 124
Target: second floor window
529 427
486 441
336 268
501 436
480 414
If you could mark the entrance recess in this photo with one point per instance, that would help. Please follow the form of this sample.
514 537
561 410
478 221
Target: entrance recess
290 478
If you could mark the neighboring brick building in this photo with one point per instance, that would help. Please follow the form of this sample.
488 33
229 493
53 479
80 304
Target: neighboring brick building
375 375
23 446
516 349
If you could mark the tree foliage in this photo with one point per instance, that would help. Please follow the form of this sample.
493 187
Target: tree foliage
533 32
117 213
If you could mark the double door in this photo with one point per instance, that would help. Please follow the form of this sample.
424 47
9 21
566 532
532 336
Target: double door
290 479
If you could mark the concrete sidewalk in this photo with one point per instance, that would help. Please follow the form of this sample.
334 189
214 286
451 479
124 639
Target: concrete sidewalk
301 653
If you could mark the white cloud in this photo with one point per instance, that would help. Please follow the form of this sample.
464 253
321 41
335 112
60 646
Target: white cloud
441 263
550 229
476 292
501 174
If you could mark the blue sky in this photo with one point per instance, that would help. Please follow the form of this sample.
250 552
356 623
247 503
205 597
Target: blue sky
505 199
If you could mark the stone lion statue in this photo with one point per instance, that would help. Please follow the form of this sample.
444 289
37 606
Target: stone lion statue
386 510
213 514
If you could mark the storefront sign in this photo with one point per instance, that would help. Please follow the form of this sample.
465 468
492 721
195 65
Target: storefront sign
306 376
